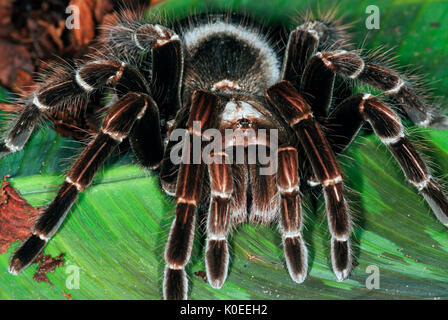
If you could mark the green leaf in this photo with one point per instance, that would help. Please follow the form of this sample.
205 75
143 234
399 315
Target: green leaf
117 231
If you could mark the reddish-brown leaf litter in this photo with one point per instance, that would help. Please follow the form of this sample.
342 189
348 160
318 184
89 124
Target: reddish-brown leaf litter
34 32
47 264
17 217
201 274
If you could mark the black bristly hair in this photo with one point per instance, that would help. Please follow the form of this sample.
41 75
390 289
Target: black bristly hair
225 71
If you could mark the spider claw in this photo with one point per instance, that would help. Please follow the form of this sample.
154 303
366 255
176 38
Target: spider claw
298 277
342 237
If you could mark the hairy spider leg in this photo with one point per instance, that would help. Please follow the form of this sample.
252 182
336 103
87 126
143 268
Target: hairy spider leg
85 80
298 114
116 127
313 83
347 119
354 111
218 222
302 44
349 64
205 109
72 86
135 40
296 254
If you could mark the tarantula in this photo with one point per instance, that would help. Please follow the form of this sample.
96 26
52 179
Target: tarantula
224 71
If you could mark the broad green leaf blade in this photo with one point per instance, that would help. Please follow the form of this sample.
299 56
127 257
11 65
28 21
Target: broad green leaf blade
117 231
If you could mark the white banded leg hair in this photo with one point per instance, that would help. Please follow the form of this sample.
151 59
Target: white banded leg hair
388 128
205 109
116 126
355 110
351 65
70 85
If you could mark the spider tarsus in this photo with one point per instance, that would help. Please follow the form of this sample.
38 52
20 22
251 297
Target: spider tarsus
341 258
13 271
301 45
296 255
26 254
175 284
50 219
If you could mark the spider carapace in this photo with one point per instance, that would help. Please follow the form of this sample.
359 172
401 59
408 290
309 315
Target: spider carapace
223 71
